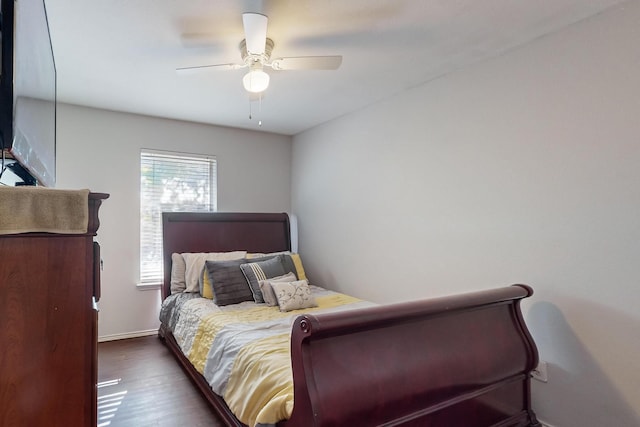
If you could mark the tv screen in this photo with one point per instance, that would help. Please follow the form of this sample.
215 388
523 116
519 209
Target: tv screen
28 122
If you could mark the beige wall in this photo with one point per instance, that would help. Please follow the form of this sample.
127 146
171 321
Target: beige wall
100 150
525 168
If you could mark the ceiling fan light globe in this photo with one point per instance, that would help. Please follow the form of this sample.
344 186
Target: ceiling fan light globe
255 81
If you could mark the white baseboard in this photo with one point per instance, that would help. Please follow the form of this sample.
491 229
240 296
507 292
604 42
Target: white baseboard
544 424
127 335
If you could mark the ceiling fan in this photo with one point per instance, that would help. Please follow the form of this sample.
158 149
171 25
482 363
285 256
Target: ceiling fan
255 51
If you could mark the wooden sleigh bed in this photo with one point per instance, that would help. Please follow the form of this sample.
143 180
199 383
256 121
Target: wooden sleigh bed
463 360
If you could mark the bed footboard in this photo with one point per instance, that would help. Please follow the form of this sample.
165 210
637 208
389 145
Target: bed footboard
462 360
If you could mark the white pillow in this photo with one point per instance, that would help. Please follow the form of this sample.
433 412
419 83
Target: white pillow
195 263
178 268
293 295
267 291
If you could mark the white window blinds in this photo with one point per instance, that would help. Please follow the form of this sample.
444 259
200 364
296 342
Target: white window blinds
170 182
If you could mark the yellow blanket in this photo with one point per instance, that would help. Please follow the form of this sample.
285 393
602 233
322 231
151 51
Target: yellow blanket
244 353
262 392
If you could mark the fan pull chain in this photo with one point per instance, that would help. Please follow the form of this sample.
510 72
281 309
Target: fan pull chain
259 109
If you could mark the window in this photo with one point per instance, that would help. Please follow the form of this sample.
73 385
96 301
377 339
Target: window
170 182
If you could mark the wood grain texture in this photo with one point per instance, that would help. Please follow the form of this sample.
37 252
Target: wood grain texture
456 360
47 331
141 385
48 361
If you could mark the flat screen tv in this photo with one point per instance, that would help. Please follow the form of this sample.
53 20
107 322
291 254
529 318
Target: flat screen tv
28 93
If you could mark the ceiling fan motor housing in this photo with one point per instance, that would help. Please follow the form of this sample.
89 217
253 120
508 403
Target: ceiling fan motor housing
252 58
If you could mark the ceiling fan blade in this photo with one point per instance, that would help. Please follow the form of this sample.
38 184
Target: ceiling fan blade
201 68
255 32
307 63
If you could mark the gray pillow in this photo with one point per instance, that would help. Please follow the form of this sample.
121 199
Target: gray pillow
227 282
287 261
288 264
178 268
267 291
262 270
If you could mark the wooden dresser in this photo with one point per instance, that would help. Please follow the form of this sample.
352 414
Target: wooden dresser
49 285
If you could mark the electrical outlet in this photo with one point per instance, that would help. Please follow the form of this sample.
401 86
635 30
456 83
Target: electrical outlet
540 372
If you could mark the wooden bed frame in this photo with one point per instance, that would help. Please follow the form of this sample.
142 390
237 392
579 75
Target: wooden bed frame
463 360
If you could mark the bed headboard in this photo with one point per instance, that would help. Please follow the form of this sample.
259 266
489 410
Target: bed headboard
221 232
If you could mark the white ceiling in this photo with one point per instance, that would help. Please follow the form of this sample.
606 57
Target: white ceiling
122 54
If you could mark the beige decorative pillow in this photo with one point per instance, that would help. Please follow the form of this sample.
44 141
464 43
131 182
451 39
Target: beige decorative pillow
178 268
195 263
293 295
267 291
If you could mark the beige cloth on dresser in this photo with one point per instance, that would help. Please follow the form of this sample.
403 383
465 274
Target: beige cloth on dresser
38 209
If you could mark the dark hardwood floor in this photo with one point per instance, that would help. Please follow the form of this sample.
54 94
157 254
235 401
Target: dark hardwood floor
140 384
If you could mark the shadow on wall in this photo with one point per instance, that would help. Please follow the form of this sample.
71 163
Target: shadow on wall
579 391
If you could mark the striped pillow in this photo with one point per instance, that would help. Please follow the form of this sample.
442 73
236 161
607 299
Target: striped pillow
262 270
291 262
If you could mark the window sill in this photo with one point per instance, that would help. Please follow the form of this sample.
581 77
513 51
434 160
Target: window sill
148 286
